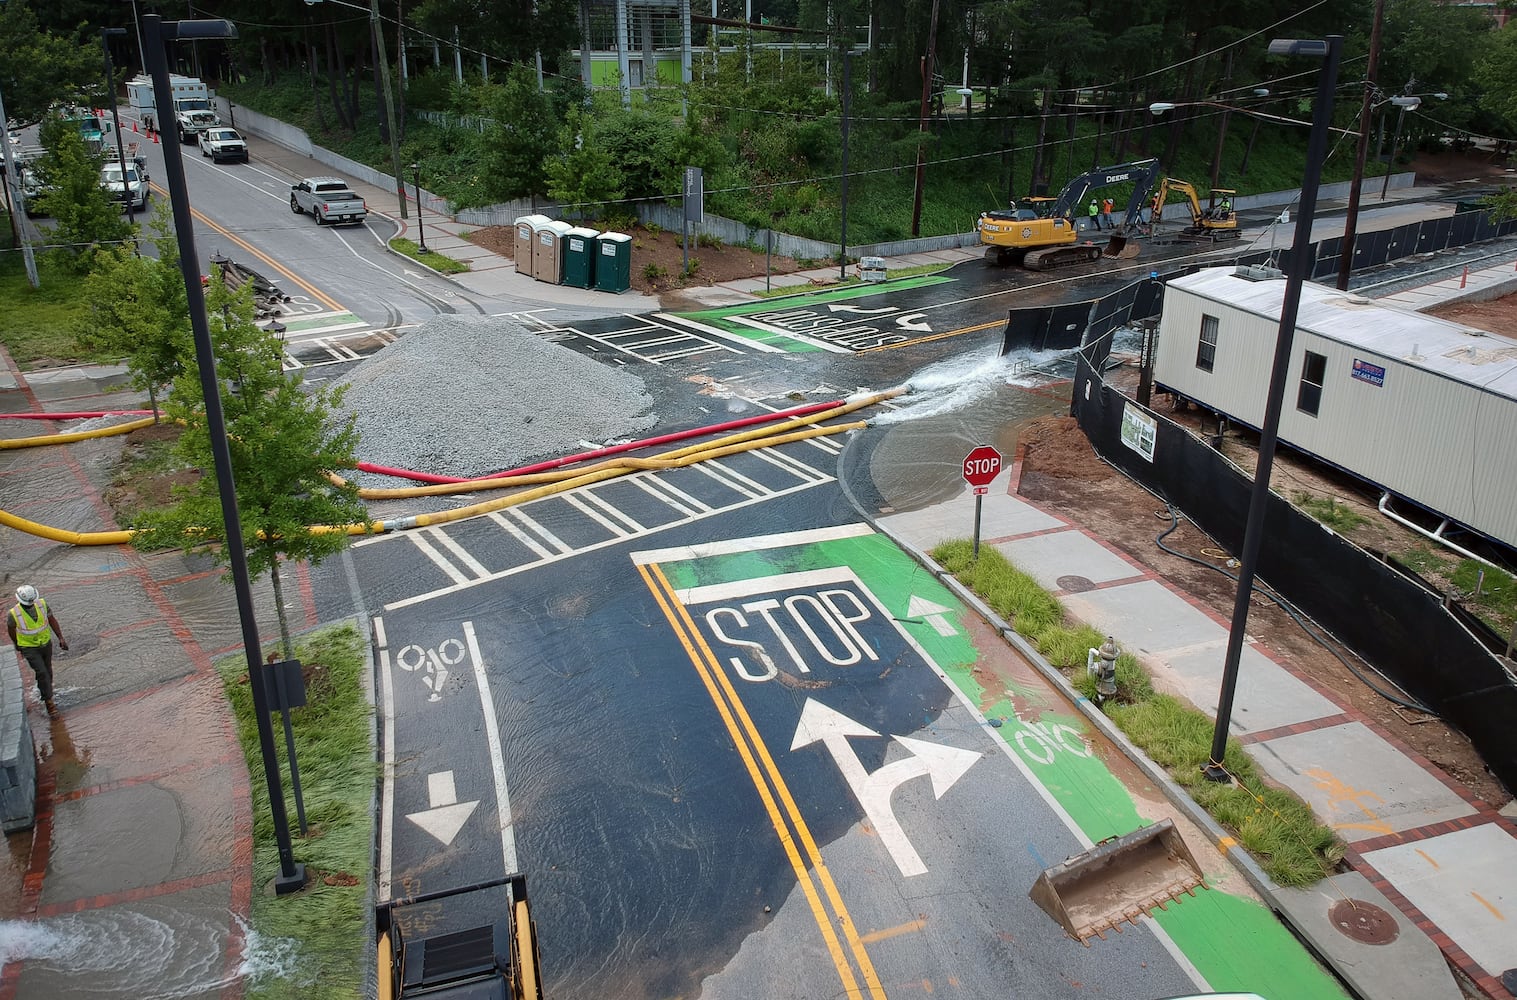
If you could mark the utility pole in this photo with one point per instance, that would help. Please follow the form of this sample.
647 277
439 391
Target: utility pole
1351 221
927 75
13 193
384 75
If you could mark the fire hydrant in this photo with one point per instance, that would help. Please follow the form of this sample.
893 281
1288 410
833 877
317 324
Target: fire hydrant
1102 665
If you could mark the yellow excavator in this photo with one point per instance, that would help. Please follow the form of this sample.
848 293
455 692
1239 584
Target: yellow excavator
1214 223
1040 233
494 961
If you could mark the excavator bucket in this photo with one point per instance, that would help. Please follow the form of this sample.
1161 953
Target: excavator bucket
1121 247
1118 880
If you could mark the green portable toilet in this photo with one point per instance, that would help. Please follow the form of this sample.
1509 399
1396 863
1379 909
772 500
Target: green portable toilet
579 257
613 262
526 239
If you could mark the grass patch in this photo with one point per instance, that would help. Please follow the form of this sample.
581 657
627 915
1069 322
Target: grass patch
1277 828
1339 517
324 923
1493 592
37 324
431 258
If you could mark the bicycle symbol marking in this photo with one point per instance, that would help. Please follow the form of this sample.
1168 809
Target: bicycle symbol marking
1048 739
436 661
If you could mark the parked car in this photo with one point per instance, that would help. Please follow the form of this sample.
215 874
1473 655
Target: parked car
222 143
328 199
129 185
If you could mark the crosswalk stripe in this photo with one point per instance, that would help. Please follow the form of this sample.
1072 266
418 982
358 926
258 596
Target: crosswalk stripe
548 536
595 515
472 564
431 553
521 536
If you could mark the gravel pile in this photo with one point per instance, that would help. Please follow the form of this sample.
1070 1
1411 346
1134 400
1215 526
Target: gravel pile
466 397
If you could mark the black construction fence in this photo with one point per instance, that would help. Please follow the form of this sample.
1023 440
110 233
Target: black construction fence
1089 324
1390 619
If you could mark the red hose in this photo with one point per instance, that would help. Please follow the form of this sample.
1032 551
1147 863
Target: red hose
78 416
616 449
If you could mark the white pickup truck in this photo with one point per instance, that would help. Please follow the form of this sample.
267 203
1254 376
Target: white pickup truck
328 199
222 143
128 185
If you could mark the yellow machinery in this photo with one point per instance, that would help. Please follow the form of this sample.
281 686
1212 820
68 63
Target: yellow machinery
495 961
1040 233
1218 221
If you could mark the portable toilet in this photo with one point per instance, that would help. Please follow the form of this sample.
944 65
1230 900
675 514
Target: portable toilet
613 263
526 239
548 255
579 257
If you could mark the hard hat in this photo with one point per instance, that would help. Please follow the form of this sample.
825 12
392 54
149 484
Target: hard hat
26 594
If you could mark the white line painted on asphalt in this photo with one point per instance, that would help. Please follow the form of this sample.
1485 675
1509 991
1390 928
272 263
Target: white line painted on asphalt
592 497
541 551
679 494
649 484
595 515
715 474
497 760
473 565
779 540
420 541
548 536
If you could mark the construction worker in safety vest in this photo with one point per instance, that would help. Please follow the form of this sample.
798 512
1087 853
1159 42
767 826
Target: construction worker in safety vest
31 627
1095 214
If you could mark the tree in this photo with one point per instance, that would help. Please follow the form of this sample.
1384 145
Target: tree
1495 77
523 136
86 219
137 312
284 443
584 174
39 70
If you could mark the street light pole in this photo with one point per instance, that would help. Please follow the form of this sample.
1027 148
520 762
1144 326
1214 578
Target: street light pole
1402 103
291 875
421 227
847 106
1329 50
1361 152
110 92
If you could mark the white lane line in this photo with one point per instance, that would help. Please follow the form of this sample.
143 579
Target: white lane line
431 553
794 466
473 565
645 482
531 524
679 494
727 470
595 515
716 475
785 539
715 331
590 496
387 807
520 535
497 758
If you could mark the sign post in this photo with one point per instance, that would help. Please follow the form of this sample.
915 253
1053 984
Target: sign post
980 467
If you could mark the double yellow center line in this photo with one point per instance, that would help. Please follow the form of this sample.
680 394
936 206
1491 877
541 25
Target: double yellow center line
832 918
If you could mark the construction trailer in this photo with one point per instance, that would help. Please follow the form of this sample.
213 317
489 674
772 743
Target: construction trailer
1419 407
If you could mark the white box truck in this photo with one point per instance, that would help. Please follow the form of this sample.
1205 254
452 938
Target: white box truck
193 110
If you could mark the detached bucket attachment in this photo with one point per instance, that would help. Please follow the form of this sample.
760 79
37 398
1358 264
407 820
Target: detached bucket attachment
1118 880
1119 246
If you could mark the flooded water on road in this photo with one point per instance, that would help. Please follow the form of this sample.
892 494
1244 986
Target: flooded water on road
957 404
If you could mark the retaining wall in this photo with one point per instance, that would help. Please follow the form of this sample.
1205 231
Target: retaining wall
18 756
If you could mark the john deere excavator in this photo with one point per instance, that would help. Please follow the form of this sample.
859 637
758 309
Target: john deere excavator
1213 224
1040 233
497 960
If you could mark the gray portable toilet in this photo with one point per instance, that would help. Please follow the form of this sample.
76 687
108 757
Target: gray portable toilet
526 239
548 255
613 262
579 257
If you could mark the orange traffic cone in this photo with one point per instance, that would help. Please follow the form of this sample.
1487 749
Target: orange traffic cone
155 138
134 126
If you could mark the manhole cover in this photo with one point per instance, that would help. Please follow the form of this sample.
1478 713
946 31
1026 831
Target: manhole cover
1074 584
1363 921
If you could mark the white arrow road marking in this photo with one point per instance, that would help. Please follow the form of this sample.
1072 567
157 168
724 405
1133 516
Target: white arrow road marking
920 607
861 311
909 322
447 815
944 764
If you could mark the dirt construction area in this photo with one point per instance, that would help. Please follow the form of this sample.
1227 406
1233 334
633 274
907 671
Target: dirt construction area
1062 471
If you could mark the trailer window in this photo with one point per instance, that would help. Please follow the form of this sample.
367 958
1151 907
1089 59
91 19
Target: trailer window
1313 369
1206 350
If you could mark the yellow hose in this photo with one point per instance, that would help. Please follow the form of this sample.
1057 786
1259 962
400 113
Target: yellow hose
72 436
560 481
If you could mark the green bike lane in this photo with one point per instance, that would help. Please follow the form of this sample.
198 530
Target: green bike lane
1223 931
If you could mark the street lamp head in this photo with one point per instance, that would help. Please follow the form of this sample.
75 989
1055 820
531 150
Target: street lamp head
965 92
211 27
1407 102
415 166
112 31
1316 47
1261 91
1441 96
1159 107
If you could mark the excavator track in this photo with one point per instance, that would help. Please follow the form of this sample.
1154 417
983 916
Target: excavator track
1051 257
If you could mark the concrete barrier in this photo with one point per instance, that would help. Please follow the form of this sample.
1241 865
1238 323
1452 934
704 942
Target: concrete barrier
18 756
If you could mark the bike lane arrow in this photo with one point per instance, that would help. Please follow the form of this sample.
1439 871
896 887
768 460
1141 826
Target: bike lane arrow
943 764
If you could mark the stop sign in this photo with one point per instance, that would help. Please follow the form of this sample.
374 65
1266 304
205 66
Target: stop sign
982 465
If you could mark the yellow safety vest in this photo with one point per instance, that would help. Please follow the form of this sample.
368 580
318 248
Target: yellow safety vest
29 633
